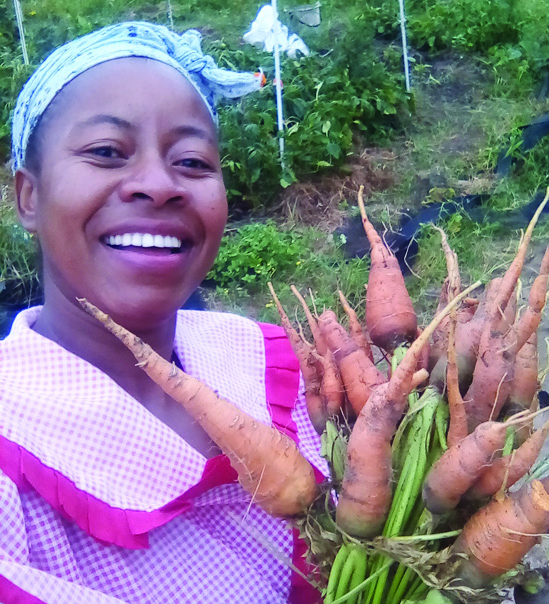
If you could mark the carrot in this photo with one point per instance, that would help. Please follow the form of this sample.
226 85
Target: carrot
470 324
525 383
507 470
423 360
268 463
494 368
498 536
461 465
316 404
355 328
439 340
359 375
365 495
390 316
457 429
458 418
530 320
511 276
331 388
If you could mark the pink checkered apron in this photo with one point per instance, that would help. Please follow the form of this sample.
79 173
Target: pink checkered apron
102 503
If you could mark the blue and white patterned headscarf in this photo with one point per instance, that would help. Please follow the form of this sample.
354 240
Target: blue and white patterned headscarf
131 39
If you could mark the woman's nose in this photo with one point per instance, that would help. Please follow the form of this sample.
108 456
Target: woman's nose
152 178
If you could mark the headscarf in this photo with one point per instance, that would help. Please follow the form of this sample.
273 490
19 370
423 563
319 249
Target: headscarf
131 39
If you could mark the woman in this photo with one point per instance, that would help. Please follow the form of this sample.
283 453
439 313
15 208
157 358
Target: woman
109 492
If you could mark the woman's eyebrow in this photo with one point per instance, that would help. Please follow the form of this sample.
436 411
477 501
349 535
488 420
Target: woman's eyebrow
102 118
193 131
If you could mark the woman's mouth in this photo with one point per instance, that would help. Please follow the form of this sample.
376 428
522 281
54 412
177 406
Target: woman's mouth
148 253
141 242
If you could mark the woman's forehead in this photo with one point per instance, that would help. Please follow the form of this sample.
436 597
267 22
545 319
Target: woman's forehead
136 72
126 84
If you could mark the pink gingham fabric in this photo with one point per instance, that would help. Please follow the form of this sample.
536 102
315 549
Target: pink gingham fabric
100 502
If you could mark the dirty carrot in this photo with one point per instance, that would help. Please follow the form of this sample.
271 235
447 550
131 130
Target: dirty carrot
498 536
493 373
507 470
461 465
525 380
331 388
530 320
365 495
390 316
457 430
511 276
316 404
355 328
359 375
468 333
268 463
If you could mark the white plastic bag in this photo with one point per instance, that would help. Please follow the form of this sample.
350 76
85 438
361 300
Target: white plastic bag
265 29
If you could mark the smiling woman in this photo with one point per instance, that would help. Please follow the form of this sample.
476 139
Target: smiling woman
110 492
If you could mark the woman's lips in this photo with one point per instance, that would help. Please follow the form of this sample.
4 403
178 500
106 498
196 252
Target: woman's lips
149 259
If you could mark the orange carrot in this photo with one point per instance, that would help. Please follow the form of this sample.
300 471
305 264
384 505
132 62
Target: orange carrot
492 377
461 465
525 380
423 361
390 316
511 276
507 470
497 350
268 463
530 320
458 418
316 404
439 340
331 388
457 429
471 319
365 495
359 375
355 328
498 536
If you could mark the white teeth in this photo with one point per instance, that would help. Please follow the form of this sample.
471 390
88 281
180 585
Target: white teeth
148 240
143 240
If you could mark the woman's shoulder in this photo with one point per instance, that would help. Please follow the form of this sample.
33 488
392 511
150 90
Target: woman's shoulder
226 333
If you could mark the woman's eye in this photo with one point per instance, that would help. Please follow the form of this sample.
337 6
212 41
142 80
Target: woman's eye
106 152
193 163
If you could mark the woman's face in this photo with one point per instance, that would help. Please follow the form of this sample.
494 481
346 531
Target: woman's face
129 204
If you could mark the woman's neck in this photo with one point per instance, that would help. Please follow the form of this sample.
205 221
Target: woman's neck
67 324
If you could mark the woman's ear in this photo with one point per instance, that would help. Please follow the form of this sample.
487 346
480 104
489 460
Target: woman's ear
26 195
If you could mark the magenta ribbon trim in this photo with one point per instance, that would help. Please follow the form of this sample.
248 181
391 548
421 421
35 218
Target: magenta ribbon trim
282 388
12 594
129 528
107 524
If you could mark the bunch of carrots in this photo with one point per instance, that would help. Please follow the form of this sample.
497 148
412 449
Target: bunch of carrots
422 456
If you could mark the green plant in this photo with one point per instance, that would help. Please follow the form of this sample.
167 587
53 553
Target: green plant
19 284
327 100
254 253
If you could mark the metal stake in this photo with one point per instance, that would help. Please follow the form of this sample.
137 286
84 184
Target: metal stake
19 18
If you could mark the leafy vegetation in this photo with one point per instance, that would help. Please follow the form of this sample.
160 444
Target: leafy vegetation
479 73
257 253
